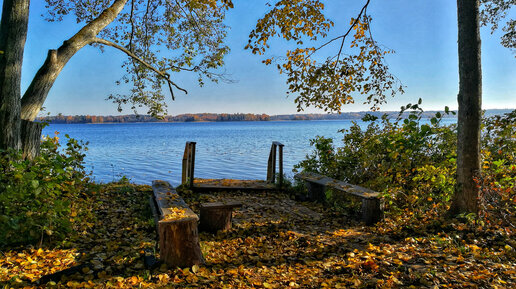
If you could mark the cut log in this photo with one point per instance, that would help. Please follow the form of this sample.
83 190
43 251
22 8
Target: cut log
217 216
177 228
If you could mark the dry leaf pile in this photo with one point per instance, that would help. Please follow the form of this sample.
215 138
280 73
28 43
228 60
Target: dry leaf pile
275 242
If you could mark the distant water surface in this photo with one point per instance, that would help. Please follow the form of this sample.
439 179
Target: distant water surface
147 151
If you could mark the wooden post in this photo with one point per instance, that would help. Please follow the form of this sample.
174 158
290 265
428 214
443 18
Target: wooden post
270 164
184 173
273 173
187 176
280 164
179 242
216 216
372 212
192 164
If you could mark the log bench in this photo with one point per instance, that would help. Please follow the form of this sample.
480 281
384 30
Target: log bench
371 209
217 216
176 225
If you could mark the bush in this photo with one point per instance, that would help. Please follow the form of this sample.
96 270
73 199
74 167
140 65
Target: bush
36 195
410 160
413 163
498 181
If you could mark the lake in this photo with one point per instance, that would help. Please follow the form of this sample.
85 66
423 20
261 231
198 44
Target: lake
147 151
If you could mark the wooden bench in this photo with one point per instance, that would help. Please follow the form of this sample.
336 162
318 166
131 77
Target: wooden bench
176 225
217 216
371 209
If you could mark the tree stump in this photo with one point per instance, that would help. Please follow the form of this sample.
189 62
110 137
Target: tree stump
217 216
177 228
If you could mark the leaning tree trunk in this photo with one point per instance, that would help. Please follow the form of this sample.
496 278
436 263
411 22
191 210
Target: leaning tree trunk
37 92
13 33
465 199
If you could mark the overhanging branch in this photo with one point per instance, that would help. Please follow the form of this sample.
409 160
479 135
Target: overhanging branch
162 74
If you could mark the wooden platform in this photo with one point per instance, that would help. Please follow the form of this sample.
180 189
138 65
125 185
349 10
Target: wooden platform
273 182
230 184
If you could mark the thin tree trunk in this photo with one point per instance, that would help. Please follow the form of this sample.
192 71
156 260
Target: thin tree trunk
37 91
13 33
465 199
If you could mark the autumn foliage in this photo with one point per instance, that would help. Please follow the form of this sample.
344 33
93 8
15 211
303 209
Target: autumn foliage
412 161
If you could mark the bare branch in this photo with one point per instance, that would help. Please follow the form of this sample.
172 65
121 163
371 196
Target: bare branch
164 75
345 35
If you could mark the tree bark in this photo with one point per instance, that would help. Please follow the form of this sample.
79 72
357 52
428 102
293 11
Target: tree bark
13 33
465 199
37 92
30 138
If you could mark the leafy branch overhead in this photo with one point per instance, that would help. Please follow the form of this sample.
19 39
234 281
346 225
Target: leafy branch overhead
355 67
160 37
493 11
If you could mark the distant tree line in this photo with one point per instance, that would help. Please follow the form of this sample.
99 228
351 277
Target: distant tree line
60 118
214 117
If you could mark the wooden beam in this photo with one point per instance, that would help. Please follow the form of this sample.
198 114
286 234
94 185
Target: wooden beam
371 210
177 228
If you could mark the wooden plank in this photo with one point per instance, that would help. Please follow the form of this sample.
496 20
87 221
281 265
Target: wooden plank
229 184
337 185
371 210
217 205
168 201
280 161
313 178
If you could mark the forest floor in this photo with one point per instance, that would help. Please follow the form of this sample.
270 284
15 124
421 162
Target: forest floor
275 242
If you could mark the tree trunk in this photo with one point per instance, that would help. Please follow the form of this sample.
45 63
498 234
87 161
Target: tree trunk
13 33
38 89
465 199
30 138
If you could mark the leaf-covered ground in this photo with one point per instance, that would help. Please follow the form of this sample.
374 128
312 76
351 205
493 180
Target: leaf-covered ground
275 242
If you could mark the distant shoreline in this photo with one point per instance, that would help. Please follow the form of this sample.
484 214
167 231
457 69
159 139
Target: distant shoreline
225 117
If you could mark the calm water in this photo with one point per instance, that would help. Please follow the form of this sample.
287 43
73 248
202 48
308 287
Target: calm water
147 151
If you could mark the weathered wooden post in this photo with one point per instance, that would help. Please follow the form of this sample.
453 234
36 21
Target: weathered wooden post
217 216
280 164
187 176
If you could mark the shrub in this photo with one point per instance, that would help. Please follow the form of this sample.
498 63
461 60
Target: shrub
409 159
498 181
413 163
36 195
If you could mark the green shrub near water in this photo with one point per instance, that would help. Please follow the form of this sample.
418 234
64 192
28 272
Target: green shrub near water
413 163
36 196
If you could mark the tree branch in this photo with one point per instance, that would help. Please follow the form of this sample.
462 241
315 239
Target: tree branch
345 35
164 75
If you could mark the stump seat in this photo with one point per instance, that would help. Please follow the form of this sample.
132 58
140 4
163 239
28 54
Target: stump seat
371 209
217 216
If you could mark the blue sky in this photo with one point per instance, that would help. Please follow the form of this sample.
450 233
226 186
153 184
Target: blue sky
423 34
